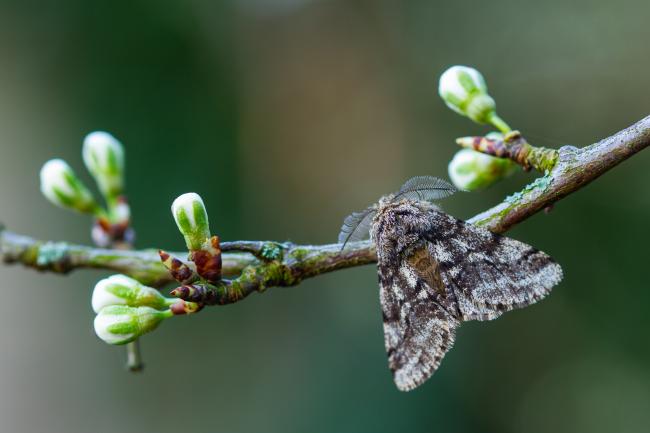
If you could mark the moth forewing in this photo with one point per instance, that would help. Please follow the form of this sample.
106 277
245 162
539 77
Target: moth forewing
436 271
489 273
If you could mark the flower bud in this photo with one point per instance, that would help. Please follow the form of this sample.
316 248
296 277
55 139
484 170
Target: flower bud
63 188
192 220
104 158
121 324
471 170
123 290
464 90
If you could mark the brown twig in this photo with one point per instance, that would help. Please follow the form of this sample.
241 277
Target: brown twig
285 264
513 146
575 168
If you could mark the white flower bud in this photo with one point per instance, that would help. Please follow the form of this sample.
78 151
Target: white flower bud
192 219
60 185
123 290
471 170
104 158
120 324
464 90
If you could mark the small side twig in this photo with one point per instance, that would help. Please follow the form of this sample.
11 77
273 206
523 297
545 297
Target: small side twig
513 146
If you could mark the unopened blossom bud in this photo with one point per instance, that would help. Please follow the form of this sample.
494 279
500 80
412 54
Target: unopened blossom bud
121 324
471 170
62 187
192 220
122 290
104 158
464 90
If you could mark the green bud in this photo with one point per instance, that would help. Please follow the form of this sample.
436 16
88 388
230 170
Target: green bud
121 324
471 170
62 187
123 290
192 220
464 90
104 158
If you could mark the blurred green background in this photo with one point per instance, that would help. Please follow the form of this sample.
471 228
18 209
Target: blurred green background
286 115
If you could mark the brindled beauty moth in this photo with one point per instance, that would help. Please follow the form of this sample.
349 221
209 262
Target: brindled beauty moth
436 271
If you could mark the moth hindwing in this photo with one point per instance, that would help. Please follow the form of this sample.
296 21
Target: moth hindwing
435 272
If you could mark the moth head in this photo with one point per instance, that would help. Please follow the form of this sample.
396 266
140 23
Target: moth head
415 192
399 223
386 201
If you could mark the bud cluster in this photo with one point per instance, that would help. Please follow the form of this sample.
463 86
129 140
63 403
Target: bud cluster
204 250
103 156
464 90
127 309
202 282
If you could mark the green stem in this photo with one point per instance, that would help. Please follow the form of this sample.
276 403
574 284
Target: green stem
499 123
111 205
134 357
100 213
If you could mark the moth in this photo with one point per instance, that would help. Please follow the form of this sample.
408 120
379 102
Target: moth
436 271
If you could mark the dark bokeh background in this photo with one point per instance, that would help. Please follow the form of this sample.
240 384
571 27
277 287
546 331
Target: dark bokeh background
285 116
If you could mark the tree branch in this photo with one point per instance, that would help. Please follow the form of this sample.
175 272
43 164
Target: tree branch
574 169
62 257
269 264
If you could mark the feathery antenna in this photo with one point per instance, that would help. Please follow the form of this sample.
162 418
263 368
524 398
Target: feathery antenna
425 188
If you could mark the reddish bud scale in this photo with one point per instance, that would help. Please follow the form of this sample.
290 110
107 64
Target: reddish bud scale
178 270
107 235
208 260
199 293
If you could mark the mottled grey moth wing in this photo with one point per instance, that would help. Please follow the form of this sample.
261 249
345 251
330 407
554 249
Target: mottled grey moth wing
488 273
436 271
420 318
427 188
356 226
